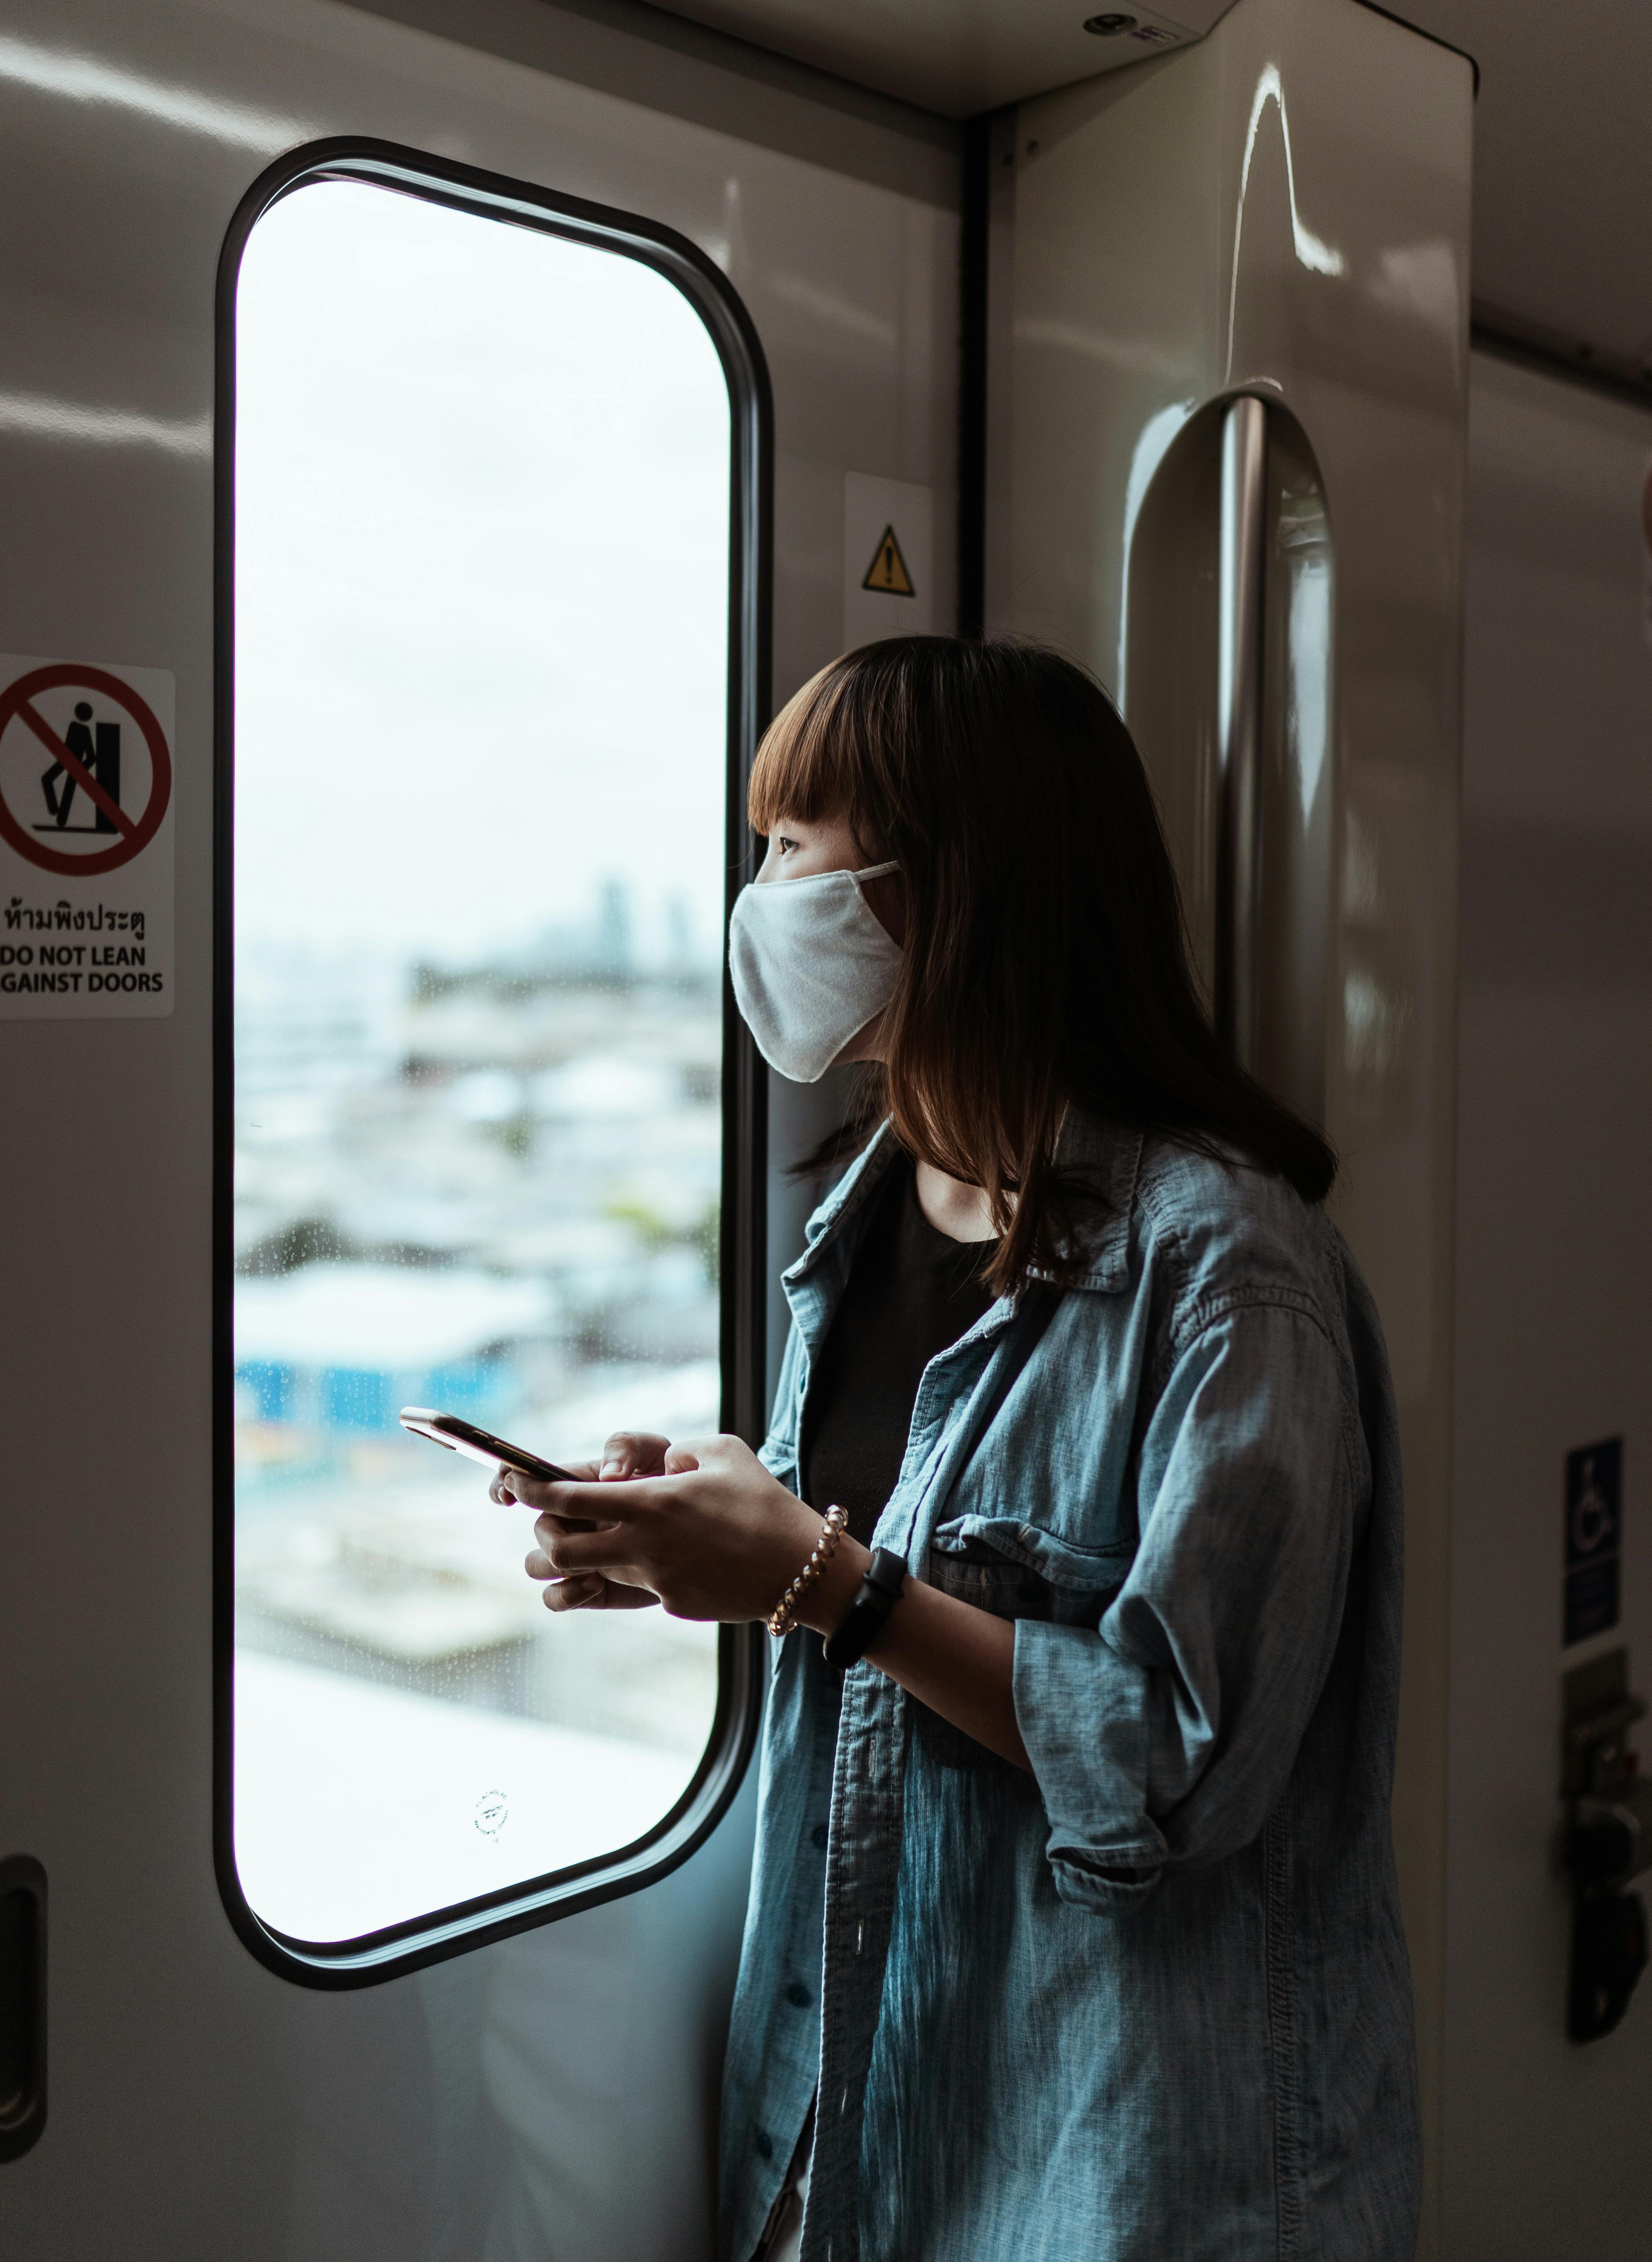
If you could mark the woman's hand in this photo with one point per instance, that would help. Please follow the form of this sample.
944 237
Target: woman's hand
705 1529
628 1453
702 1527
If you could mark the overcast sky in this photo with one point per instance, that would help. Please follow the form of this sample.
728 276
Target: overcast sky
482 482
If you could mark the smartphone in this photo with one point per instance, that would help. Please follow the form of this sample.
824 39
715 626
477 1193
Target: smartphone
480 1444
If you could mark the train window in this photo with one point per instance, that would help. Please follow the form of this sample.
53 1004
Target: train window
481 776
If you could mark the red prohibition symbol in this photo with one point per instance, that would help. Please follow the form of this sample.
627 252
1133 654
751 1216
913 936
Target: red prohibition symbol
16 706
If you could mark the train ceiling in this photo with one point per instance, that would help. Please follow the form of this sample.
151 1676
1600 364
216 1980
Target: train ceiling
959 57
1563 219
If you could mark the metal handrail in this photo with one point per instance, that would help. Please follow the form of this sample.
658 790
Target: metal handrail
1239 725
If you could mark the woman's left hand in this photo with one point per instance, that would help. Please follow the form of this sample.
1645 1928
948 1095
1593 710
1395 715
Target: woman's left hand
714 1536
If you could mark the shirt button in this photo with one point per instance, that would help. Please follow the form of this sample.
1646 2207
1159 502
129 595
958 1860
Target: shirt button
819 1833
765 2144
797 1997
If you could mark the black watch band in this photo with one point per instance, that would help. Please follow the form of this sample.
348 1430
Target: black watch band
862 1622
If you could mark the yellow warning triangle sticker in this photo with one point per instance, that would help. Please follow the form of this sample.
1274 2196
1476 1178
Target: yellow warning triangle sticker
887 573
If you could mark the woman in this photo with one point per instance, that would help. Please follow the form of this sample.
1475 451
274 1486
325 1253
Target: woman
1073 1928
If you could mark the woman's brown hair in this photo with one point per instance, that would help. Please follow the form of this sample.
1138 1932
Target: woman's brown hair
1045 959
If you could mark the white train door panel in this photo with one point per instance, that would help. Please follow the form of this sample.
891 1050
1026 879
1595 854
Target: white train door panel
379 527
1544 2135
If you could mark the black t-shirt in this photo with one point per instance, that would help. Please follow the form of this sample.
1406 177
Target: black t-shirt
912 1292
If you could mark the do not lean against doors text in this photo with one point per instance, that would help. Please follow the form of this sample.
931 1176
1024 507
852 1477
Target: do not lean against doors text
87 808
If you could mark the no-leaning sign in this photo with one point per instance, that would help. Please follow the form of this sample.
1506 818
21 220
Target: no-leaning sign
86 815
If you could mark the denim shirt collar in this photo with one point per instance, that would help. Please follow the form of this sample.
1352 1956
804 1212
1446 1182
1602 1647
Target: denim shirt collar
1107 1155
835 1216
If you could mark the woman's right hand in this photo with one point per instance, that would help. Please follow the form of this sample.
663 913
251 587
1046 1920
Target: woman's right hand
627 1453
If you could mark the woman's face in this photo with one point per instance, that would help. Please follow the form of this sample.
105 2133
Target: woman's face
800 848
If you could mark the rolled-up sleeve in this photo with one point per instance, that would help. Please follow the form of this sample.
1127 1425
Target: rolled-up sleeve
1165 1734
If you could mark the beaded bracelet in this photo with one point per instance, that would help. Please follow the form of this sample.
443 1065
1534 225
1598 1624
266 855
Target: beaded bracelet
783 1617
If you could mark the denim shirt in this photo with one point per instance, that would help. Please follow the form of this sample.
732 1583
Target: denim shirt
1150 2003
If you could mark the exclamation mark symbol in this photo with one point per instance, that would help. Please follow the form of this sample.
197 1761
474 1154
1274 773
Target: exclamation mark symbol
887 574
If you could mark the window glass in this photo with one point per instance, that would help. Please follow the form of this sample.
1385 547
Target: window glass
482 485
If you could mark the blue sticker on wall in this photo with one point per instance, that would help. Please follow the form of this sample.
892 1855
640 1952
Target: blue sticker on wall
1594 1538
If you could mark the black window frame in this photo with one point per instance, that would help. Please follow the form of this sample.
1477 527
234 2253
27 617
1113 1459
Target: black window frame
442 1932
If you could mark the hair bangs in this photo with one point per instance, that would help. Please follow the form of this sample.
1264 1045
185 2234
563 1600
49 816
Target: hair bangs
811 763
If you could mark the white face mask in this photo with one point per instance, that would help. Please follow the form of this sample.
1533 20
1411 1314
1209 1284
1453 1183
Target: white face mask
811 965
